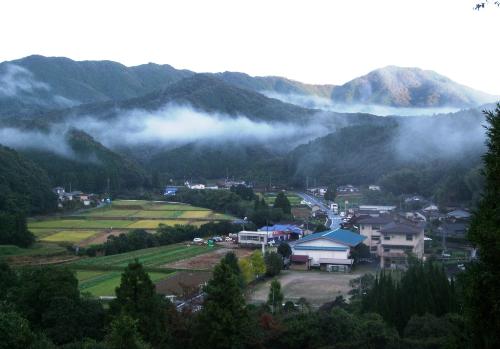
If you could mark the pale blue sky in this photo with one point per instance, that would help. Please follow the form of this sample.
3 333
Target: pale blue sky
314 41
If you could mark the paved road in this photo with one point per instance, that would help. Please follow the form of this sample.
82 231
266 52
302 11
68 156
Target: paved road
334 220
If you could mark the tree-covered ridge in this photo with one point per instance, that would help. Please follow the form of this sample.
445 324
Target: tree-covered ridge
63 82
89 165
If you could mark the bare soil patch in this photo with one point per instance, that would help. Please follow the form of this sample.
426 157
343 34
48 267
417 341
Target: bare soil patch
184 284
208 260
315 286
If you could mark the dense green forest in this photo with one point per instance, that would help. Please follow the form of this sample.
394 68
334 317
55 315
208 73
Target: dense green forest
24 189
42 308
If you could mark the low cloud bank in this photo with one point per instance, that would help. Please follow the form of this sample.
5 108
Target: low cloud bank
316 102
172 125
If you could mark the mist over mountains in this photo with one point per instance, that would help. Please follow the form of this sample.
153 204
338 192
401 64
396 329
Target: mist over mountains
83 122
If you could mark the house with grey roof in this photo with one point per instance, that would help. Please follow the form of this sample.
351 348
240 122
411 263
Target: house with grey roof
397 240
391 237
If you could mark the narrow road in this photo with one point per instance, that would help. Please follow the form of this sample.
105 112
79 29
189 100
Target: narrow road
333 221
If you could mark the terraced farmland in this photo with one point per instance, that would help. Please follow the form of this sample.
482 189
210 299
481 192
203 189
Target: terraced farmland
122 215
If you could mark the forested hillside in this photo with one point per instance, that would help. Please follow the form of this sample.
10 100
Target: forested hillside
88 166
24 186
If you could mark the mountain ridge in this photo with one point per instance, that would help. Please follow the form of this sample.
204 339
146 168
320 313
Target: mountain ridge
38 83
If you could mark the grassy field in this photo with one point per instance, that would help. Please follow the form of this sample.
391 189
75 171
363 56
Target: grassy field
150 257
38 249
101 283
70 236
293 198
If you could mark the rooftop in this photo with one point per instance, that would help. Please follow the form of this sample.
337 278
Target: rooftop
401 228
342 236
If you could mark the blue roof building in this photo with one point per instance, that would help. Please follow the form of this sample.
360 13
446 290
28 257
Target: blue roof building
170 191
327 249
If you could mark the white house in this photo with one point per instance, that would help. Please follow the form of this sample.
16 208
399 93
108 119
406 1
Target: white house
329 250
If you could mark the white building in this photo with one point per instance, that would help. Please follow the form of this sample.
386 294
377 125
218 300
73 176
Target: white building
328 250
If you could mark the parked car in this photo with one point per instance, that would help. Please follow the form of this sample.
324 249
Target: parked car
228 239
198 240
217 239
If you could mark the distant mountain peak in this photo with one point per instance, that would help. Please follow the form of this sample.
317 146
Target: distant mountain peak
408 87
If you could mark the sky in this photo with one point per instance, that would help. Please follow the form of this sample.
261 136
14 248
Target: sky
314 41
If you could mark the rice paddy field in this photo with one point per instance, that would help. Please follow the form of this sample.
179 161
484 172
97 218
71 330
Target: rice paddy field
95 225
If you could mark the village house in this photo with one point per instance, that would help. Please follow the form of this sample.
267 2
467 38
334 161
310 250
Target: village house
328 250
63 196
397 240
391 237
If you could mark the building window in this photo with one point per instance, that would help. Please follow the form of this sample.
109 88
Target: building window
386 249
387 237
409 237
375 227
376 238
373 248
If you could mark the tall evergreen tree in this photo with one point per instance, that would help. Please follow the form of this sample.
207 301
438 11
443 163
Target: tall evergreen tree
283 203
136 297
224 320
275 296
482 296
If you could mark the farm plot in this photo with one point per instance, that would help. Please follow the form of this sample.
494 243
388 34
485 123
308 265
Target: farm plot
195 214
159 214
41 232
79 224
74 236
101 283
109 212
207 260
153 223
174 207
150 257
